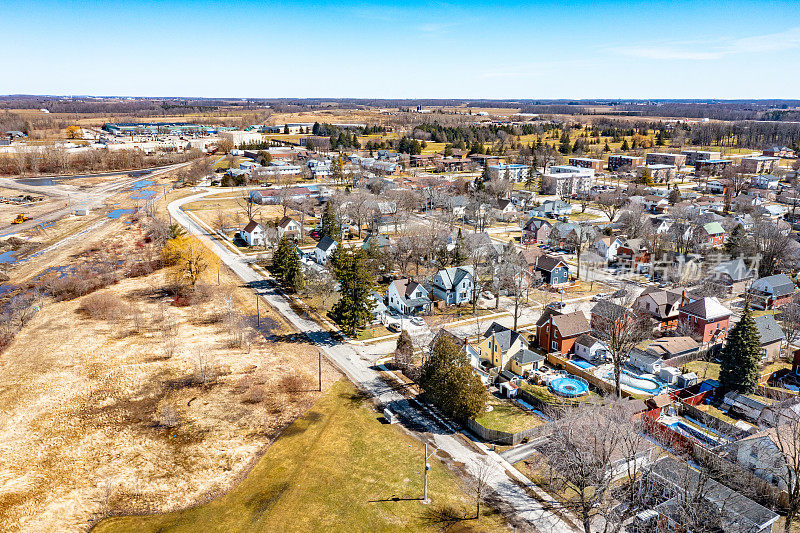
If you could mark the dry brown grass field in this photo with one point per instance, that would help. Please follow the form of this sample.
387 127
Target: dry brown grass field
144 406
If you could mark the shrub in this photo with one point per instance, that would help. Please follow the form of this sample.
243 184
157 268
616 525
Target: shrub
103 305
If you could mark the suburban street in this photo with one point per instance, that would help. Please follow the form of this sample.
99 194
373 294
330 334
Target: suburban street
357 363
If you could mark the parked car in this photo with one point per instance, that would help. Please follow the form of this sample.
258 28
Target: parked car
417 321
393 327
556 305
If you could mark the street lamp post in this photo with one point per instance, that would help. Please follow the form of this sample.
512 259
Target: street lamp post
426 467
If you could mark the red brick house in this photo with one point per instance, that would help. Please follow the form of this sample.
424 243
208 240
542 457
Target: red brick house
711 233
771 292
606 313
633 253
557 332
705 318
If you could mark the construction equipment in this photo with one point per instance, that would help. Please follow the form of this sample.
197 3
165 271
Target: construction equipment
20 218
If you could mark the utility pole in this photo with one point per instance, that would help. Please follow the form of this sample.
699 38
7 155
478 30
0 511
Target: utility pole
426 467
319 369
258 315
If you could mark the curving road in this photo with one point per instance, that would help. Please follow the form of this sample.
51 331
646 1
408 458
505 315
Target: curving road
357 364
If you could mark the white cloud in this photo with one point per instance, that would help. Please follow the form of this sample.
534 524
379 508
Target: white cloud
705 51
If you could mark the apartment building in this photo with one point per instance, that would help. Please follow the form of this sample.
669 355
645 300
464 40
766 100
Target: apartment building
664 158
693 156
620 161
760 164
587 162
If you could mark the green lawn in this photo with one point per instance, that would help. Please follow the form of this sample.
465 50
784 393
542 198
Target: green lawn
372 332
338 468
506 416
704 369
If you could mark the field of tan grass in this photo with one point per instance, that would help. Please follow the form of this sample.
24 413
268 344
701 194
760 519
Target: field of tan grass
97 417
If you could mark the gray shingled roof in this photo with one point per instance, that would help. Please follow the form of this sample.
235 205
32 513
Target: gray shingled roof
504 336
523 357
781 284
769 330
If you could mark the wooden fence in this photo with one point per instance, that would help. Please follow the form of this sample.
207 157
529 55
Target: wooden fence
504 437
556 360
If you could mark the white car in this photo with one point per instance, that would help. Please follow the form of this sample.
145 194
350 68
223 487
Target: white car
417 321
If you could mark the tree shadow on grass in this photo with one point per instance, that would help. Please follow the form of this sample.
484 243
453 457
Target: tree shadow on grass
445 517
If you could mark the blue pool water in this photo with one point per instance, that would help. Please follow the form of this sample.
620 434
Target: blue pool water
116 213
569 387
647 385
580 363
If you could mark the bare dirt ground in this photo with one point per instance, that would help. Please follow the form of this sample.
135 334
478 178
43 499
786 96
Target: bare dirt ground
97 418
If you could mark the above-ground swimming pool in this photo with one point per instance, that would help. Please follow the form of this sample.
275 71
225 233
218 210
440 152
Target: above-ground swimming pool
568 386
632 381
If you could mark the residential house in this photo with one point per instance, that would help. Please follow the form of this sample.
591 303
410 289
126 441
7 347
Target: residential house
605 313
765 181
558 332
506 349
252 234
591 349
607 247
733 275
655 204
645 361
554 271
662 305
408 297
454 285
536 230
764 454
458 205
771 291
717 186
621 162
289 228
565 235
379 308
772 338
676 490
551 209
324 249
712 233
779 151
633 254
505 209
668 348
705 318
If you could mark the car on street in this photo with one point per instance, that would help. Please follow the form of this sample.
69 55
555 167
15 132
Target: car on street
417 321
556 305
393 327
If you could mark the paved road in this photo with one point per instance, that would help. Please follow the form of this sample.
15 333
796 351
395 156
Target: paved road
522 451
357 365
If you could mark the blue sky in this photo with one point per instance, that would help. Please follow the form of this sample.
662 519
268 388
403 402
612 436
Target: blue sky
578 49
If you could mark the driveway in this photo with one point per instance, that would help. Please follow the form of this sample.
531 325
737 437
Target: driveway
357 365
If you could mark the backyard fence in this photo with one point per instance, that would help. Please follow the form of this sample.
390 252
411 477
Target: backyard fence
504 437
717 424
558 361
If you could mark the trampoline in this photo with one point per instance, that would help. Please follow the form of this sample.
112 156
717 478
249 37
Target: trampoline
570 387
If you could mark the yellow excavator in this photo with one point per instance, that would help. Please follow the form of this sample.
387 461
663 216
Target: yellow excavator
20 218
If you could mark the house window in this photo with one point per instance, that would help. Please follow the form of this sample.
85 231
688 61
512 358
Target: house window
554 345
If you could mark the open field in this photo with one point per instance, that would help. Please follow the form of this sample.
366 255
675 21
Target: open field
338 468
99 418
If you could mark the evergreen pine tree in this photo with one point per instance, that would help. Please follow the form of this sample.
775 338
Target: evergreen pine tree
451 383
625 145
330 225
292 275
459 250
354 308
736 241
660 138
740 357
606 148
280 258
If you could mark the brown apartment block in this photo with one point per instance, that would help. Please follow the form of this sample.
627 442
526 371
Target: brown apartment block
693 156
760 164
587 162
619 161
663 158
